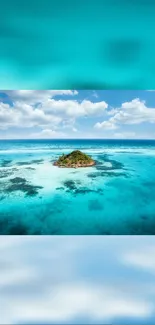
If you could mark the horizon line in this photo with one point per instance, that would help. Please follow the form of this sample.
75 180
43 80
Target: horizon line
124 139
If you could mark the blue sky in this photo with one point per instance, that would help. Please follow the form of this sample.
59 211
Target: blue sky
77 279
77 114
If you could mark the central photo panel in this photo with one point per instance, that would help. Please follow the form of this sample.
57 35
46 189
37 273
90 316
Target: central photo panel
77 162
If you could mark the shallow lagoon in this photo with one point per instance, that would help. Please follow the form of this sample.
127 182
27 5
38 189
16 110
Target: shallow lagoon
117 196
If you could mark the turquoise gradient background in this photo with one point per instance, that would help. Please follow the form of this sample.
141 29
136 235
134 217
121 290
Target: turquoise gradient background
99 44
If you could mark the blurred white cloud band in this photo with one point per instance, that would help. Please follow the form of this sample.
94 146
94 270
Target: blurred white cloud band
59 279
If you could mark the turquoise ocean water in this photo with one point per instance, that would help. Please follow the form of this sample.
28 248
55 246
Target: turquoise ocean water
116 196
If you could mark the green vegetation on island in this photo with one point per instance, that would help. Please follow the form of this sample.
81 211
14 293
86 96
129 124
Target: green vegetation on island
75 159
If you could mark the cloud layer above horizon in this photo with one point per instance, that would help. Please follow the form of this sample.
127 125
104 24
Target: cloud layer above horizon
77 280
76 114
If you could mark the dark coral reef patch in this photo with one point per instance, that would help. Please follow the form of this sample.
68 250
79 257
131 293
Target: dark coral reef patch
74 187
21 184
5 163
114 164
31 162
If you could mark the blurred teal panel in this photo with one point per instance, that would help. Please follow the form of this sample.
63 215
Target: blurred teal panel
65 44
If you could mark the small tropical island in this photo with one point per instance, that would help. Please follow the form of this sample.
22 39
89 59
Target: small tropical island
75 159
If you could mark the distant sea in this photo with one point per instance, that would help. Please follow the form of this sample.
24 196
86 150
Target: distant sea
116 196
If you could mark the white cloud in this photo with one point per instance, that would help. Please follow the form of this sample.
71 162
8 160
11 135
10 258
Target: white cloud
47 134
107 125
142 259
24 115
38 109
35 109
69 301
36 96
133 112
51 279
73 108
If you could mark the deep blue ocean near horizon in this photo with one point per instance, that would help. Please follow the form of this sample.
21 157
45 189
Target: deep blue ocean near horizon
116 196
